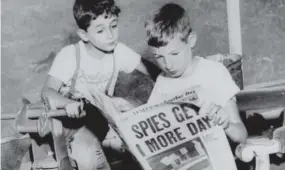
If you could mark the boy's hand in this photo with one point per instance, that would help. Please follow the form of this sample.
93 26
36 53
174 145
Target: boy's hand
75 110
209 109
122 104
221 119
215 114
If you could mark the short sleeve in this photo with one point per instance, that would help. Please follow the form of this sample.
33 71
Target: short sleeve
126 58
223 85
159 93
154 96
64 64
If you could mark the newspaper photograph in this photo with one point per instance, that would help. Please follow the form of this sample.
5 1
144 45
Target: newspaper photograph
191 155
171 134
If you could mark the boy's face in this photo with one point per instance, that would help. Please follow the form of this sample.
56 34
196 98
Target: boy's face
102 33
175 57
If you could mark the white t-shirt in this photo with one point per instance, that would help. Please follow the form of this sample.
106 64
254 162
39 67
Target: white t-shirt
218 87
93 73
209 75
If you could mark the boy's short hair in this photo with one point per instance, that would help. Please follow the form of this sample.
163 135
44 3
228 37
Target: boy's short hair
85 11
170 20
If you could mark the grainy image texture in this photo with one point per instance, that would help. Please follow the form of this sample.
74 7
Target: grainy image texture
32 30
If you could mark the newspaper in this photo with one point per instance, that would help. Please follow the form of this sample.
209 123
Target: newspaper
171 134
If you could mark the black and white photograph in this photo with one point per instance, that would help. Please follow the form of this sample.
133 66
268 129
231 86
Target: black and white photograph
142 84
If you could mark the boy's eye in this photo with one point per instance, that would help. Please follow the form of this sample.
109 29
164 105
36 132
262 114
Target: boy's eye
99 31
114 26
157 57
174 53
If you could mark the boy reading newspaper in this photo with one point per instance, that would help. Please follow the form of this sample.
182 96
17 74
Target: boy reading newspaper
171 39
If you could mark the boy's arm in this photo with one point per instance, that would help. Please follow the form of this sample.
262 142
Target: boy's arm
73 108
129 60
51 91
152 69
236 129
55 80
142 68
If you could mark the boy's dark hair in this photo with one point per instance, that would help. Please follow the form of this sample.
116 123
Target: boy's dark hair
85 11
170 20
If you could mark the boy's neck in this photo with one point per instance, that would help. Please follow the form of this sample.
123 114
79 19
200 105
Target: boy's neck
95 52
191 67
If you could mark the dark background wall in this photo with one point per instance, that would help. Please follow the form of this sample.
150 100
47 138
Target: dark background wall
32 29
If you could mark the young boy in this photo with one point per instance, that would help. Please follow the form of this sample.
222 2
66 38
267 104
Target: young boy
171 40
101 58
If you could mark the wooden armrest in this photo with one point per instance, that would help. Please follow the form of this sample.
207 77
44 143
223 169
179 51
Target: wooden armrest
262 98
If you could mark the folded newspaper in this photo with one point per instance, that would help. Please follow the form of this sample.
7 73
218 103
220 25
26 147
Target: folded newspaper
171 134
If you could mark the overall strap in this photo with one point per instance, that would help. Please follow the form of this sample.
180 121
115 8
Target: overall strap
74 77
111 83
110 88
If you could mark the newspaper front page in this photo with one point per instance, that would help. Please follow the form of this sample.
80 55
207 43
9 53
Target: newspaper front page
171 134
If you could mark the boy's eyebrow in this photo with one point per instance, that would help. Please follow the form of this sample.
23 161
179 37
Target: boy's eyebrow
115 19
99 25
173 51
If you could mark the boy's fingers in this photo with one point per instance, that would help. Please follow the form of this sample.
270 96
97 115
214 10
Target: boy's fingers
68 112
211 111
220 120
214 108
71 112
207 109
76 110
81 105
67 109
83 113
225 124
215 120
76 115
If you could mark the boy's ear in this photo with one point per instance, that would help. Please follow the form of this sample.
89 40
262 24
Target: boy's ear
82 34
192 38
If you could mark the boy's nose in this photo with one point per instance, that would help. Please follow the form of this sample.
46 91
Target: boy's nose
168 65
110 34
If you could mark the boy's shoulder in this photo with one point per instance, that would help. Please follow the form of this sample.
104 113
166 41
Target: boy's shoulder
66 56
128 59
122 48
66 51
211 65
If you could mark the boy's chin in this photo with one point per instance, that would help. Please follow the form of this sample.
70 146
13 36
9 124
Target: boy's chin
108 49
173 75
